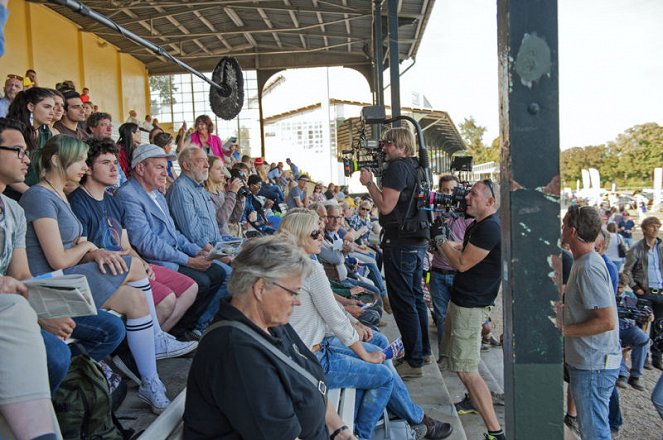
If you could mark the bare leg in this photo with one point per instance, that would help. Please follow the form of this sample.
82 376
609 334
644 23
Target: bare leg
166 308
570 403
181 306
31 419
480 395
128 301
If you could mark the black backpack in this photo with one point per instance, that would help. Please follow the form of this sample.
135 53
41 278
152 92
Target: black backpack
83 404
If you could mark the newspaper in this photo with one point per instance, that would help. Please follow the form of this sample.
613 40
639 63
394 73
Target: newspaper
225 248
66 296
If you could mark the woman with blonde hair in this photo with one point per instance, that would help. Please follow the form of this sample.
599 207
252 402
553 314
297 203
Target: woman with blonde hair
222 192
346 360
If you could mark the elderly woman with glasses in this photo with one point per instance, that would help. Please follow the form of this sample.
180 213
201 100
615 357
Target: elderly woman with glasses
336 339
238 386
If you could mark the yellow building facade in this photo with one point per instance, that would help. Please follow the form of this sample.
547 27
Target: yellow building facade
58 49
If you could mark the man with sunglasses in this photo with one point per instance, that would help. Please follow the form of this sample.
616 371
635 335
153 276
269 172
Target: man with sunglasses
404 246
13 85
477 261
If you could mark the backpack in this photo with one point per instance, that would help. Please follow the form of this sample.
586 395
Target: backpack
83 403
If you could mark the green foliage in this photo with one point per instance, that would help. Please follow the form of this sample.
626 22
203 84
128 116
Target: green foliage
164 86
473 134
629 160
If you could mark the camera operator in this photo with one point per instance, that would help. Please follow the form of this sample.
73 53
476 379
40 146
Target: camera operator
476 284
404 246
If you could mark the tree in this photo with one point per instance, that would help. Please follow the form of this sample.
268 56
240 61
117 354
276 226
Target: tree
473 134
163 87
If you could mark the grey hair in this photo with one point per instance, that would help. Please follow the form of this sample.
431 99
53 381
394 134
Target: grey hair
186 155
271 258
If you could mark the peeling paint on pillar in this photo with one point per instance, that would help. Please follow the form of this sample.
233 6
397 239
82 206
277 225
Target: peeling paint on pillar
533 59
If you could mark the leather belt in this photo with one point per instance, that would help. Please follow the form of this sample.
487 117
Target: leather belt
315 348
443 271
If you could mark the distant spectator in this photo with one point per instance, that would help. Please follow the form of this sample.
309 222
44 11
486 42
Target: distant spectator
100 125
88 108
275 172
154 132
625 228
13 85
223 192
318 196
147 125
85 96
30 79
165 141
66 86
297 197
329 194
128 141
133 117
155 123
203 137
58 110
74 113
294 168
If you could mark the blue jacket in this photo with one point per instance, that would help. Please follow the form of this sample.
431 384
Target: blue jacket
151 230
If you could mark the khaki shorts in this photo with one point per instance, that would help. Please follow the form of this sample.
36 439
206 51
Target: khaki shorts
462 337
23 373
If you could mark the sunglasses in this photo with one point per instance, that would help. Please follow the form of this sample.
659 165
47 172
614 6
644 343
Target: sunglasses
12 76
489 184
315 234
364 209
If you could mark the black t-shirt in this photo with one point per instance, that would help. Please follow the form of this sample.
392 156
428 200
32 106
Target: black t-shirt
401 175
478 286
238 390
102 220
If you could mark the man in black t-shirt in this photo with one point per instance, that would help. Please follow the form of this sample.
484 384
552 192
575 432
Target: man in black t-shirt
477 262
404 246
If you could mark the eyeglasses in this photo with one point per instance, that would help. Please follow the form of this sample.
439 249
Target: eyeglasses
315 234
12 76
334 217
364 209
22 153
489 184
293 293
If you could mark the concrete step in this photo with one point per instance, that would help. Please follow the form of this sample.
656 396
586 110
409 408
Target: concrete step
430 392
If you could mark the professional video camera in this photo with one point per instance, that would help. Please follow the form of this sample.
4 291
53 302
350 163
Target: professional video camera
452 204
365 152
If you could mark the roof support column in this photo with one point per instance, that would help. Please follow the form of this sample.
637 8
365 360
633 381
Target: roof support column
394 73
378 54
529 134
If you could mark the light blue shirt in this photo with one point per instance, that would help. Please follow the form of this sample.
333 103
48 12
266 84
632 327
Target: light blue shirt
193 211
654 276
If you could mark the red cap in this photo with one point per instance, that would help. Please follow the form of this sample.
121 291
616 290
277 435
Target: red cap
259 161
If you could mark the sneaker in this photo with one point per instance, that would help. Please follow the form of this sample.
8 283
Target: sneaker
499 436
635 383
622 382
572 423
428 359
153 393
386 305
436 429
405 371
192 335
466 406
490 341
124 361
648 365
166 346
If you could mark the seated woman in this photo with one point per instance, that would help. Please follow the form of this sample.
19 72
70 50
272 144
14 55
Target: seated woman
53 241
223 192
237 387
346 360
128 141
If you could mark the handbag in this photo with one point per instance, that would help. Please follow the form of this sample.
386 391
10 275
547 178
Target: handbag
621 247
396 429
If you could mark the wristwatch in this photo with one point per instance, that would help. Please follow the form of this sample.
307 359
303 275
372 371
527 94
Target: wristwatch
439 240
369 184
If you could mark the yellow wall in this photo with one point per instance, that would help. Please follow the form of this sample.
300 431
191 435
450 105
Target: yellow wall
58 49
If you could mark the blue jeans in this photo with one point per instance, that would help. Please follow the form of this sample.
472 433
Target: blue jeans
58 359
375 276
343 370
403 267
98 335
272 192
440 292
351 282
591 390
400 402
638 340
657 396
214 305
614 412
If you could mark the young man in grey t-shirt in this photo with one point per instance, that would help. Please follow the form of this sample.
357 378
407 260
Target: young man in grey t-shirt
591 343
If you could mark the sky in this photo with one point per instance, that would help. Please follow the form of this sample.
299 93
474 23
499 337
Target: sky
610 65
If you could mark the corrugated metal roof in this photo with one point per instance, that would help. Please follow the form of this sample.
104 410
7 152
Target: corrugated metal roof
262 34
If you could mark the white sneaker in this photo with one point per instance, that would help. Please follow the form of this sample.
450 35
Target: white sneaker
153 393
166 346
